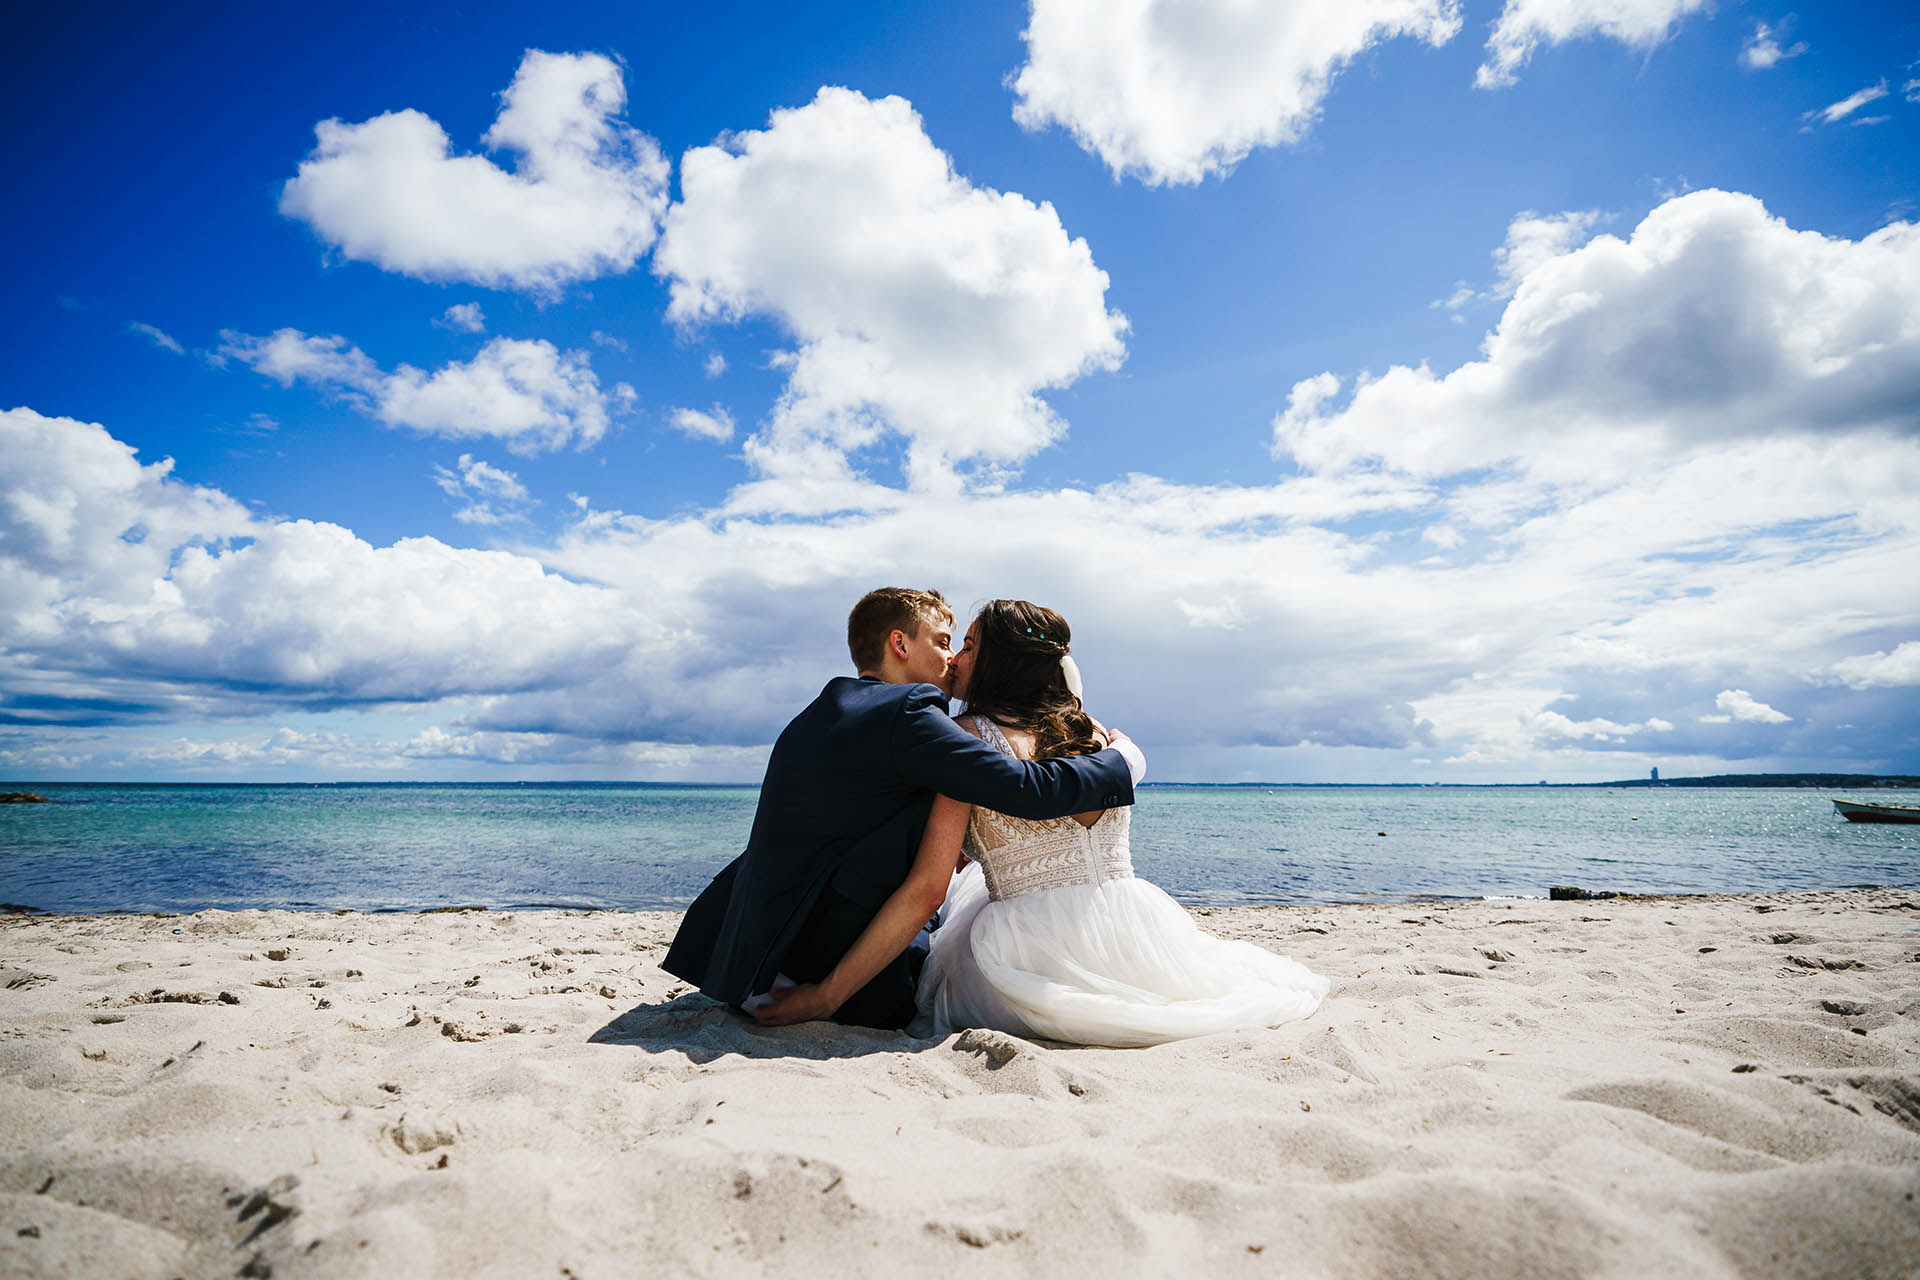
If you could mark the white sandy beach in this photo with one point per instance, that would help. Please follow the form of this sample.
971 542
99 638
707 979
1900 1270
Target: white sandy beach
1718 1086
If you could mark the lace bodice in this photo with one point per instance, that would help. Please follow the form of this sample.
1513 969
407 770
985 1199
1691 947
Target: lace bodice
1019 856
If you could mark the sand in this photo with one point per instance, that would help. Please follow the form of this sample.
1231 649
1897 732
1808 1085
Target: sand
1714 1086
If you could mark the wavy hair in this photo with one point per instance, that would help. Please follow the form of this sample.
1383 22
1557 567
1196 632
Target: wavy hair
1017 681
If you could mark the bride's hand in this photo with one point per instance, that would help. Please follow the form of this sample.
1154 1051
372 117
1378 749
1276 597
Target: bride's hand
806 1002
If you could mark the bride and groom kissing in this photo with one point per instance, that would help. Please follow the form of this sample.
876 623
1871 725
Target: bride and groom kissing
1012 823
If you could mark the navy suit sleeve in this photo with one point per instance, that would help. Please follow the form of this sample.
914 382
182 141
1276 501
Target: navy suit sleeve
931 751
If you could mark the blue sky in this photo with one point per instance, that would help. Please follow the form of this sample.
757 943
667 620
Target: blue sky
1391 391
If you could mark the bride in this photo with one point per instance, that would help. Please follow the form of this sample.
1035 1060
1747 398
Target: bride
1046 931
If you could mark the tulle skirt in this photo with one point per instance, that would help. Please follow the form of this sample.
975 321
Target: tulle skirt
1119 964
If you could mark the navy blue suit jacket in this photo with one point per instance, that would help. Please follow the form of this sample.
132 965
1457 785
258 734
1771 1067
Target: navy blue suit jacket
846 794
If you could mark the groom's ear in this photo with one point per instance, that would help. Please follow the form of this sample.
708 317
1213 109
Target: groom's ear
897 643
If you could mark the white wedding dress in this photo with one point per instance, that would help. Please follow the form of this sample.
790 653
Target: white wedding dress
1048 933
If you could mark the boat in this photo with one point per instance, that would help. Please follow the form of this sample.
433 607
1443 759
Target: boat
1860 811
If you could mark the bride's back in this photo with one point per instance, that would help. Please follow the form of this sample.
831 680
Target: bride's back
1020 856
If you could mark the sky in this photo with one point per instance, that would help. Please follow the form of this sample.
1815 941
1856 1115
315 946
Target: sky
1384 390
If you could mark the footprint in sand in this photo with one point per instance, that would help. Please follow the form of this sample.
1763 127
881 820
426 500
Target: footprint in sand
1013 1065
418 1132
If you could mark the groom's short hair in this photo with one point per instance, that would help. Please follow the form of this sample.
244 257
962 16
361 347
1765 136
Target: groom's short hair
882 612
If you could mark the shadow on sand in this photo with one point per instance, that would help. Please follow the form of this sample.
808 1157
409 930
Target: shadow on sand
705 1029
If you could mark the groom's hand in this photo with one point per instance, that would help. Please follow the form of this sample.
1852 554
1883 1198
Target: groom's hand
807 1002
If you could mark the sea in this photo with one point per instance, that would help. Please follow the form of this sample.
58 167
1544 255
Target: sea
99 848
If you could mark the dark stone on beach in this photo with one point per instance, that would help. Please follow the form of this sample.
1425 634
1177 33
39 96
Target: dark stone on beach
21 797
447 911
1845 1008
1574 893
20 909
1745 1067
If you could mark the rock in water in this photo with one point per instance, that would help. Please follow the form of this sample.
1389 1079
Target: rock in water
1574 893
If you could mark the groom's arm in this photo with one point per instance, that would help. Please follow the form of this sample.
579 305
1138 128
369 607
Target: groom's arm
929 750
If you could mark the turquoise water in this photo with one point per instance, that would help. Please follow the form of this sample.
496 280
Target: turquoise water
100 848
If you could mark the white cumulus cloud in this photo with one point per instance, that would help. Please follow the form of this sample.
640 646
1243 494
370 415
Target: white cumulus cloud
1764 51
527 393
1524 25
463 317
1880 669
139 597
1713 320
1551 725
1174 90
922 306
1738 704
584 198
1329 643
713 424
88 531
490 495
1532 239
133 590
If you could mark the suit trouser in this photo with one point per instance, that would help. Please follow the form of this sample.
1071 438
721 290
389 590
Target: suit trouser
829 933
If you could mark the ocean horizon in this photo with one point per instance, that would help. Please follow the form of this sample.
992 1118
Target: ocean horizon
99 847
1803 781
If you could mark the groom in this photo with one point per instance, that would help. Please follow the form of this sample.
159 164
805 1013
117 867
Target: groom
846 793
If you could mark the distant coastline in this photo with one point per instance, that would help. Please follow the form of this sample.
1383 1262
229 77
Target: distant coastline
1835 781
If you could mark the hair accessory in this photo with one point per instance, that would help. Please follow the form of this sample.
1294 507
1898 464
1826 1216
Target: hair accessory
1071 670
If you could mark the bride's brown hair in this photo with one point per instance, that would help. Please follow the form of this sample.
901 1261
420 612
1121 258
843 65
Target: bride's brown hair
1017 680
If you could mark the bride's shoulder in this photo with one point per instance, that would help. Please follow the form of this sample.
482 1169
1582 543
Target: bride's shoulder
988 730
1015 742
